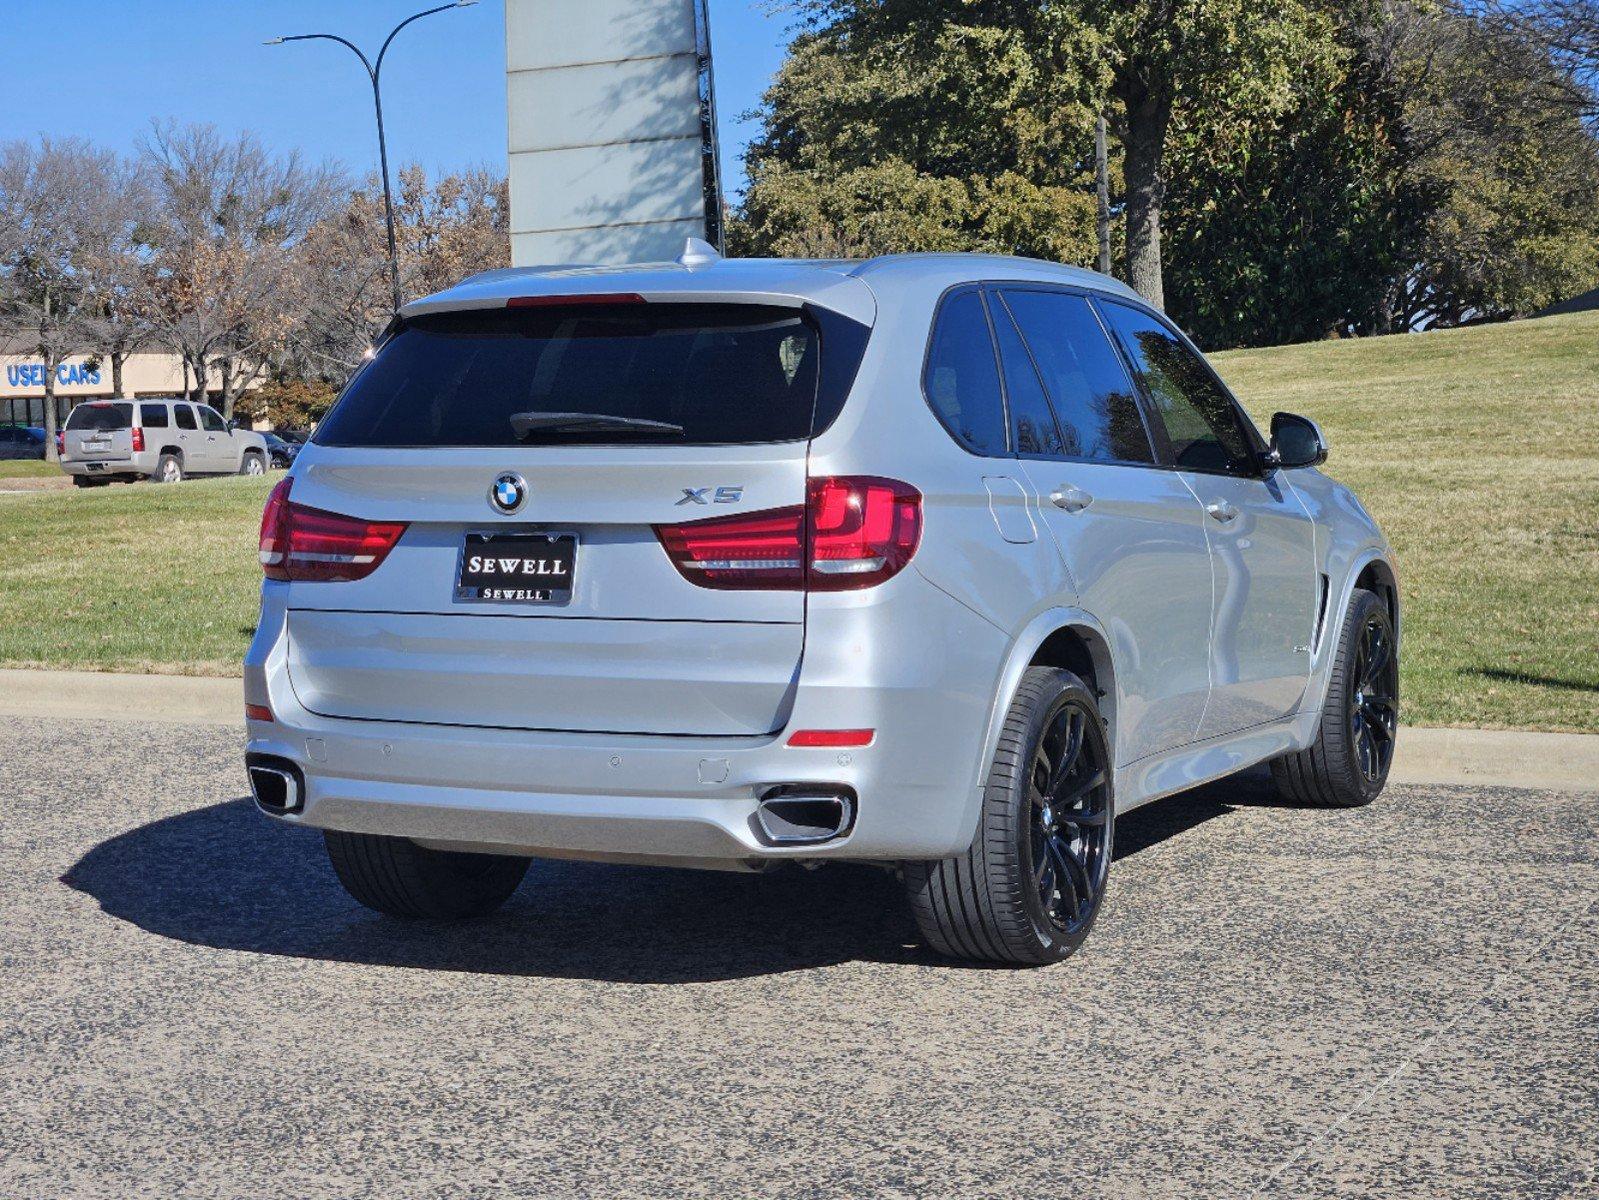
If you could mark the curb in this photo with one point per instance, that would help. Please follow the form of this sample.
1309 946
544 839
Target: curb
1566 762
102 696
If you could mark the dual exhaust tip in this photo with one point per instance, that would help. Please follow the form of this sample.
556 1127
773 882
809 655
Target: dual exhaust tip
277 784
798 814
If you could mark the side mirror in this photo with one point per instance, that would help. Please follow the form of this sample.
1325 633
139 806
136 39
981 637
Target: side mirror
1295 442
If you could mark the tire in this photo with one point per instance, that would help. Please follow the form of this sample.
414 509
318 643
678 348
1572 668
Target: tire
397 877
1347 765
252 464
168 469
989 904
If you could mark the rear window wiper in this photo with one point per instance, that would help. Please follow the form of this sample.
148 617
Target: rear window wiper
528 423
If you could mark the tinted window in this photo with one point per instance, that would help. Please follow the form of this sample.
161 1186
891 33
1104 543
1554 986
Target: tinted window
1093 397
725 373
153 416
962 378
100 417
212 420
1204 428
1031 421
185 416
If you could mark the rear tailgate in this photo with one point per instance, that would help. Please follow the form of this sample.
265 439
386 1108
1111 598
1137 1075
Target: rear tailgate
99 430
609 419
636 648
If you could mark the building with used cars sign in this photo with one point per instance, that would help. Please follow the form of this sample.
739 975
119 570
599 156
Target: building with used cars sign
83 377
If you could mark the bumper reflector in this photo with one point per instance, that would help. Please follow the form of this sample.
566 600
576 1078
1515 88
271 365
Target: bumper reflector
832 737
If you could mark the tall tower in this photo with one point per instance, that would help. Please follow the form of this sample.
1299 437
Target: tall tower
612 130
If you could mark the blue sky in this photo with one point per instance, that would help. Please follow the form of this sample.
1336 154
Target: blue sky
102 69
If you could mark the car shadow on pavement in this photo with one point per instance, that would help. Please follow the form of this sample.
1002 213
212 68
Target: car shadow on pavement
226 877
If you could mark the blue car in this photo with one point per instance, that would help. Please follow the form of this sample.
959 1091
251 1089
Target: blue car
21 441
280 451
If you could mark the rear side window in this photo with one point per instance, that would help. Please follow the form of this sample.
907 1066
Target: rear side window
153 416
1033 426
961 379
100 417
714 374
1203 426
1092 395
185 416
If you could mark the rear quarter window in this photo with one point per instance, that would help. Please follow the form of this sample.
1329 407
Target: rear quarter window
961 377
153 416
722 373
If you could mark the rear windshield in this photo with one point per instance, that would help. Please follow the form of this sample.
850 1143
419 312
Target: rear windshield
718 373
101 417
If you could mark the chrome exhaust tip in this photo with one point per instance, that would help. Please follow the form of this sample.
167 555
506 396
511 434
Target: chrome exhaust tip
276 784
798 814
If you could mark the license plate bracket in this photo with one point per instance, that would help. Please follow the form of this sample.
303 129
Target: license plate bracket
523 567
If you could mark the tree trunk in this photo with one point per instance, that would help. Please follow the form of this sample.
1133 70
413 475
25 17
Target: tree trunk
1148 115
117 357
1102 194
198 366
226 366
51 362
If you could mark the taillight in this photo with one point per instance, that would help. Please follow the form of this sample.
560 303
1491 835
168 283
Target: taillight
309 546
762 550
854 531
862 530
138 440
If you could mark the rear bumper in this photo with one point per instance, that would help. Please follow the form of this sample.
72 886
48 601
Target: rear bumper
138 464
917 668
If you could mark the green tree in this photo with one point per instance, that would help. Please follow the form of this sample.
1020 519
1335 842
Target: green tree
1167 56
922 125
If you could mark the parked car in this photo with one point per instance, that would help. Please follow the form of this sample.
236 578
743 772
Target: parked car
937 562
21 441
163 440
280 451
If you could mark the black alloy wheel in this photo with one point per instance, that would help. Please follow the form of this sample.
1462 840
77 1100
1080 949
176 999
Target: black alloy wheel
1347 764
1029 888
1069 834
1373 702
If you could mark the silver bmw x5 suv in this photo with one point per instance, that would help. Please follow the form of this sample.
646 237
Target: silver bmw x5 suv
939 562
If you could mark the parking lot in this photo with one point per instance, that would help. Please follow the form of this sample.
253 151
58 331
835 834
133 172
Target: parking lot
1399 1001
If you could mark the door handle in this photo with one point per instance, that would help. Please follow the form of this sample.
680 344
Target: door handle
1221 511
1072 499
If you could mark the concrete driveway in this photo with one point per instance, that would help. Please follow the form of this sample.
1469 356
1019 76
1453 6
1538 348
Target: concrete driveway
1399 1001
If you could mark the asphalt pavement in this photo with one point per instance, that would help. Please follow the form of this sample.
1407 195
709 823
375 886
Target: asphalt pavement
1395 1001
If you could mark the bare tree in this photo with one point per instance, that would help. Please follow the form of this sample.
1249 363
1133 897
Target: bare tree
55 203
445 231
226 282
1568 33
115 271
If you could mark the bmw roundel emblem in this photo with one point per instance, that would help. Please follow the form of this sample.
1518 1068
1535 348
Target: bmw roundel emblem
508 492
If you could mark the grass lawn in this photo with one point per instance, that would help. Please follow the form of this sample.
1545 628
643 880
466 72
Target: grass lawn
1477 449
26 468
134 577
1478 452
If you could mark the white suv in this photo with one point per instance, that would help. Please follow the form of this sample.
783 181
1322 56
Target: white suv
939 562
163 440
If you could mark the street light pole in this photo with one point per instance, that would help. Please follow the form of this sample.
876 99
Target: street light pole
374 72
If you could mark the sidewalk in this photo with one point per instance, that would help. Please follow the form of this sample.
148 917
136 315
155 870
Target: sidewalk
1491 757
